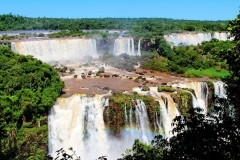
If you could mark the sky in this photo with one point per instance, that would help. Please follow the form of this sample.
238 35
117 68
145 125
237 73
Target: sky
176 9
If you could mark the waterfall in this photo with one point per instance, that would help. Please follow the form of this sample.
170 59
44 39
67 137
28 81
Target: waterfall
125 113
57 49
124 45
219 89
195 103
168 113
77 122
130 118
142 121
221 36
194 38
201 91
139 47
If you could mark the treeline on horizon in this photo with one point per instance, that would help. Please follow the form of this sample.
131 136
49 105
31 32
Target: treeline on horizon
162 25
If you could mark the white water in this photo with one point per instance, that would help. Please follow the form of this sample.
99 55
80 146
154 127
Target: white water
168 111
201 92
57 49
139 47
219 89
126 45
77 122
194 38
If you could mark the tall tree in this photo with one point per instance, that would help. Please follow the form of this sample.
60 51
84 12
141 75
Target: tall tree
233 60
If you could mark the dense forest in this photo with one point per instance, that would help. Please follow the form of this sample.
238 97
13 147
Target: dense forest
139 25
28 88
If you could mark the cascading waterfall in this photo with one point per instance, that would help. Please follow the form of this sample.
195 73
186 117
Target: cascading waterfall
194 38
57 49
142 121
201 91
126 45
166 120
78 122
168 111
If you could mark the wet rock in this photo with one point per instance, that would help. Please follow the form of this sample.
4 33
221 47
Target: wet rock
106 75
90 73
133 103
115 75
83 76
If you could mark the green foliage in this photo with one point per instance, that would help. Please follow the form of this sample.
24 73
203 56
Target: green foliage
66 33
210 72
71 70
145 88
159 64
166 89
142 151
28 89
184 99
148 27
119 103
191 61
136 80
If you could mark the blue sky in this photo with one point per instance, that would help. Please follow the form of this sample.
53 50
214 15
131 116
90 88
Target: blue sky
176 9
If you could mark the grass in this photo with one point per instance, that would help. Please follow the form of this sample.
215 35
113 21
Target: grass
210 72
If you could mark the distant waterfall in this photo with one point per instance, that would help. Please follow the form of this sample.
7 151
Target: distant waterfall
126 45
194 38
139 47
57 49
